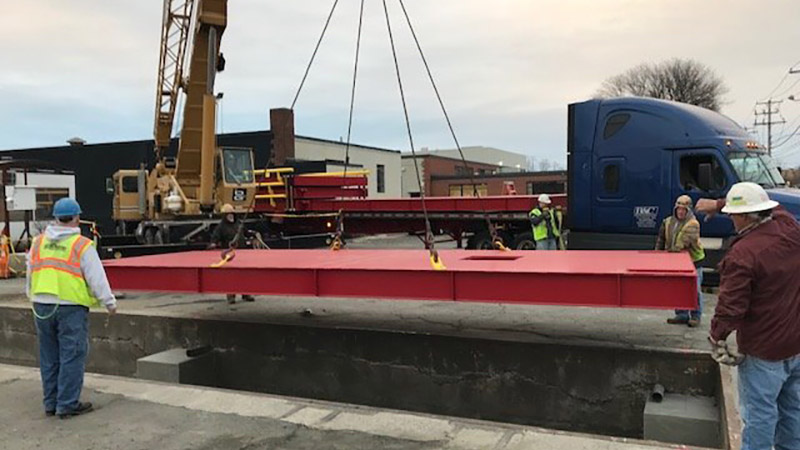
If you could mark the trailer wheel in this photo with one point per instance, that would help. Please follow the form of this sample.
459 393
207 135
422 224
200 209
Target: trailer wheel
480 241
524 241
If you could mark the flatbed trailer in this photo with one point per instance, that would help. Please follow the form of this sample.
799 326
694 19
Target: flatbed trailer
304 210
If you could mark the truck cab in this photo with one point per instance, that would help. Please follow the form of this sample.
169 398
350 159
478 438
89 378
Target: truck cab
630 158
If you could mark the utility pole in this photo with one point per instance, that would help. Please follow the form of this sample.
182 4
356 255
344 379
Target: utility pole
769 109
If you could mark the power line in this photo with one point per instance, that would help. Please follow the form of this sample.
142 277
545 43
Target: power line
771 108
787 138
786 75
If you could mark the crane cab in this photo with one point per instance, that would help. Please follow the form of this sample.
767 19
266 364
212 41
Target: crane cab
235 181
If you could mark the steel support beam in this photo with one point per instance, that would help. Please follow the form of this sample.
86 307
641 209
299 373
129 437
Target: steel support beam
627 279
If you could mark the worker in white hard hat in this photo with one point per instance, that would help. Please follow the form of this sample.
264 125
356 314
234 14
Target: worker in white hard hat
546 223
680 232
229 233
759 298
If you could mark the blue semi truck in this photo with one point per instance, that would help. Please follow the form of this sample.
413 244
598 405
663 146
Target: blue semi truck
630 158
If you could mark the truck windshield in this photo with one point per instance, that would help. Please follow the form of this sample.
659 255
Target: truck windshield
238 165
758 168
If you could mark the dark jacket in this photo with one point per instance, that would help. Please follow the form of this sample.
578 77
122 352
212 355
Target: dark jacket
760 290
226 232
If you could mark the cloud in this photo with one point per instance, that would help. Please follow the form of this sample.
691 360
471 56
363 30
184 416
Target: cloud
507 69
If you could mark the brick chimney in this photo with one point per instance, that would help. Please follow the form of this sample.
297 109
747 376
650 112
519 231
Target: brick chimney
282 126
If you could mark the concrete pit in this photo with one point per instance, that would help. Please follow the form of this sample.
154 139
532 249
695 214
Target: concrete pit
599 389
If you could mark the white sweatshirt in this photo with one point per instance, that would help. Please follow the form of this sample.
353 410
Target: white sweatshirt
92 269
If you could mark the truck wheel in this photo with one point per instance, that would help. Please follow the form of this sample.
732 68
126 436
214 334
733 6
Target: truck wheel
524 241
150 236
480 241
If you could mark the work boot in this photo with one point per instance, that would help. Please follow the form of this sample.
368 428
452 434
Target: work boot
231 298
694 322
678 320
248 298
83 408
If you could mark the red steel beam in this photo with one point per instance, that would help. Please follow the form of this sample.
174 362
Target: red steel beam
628 279
506 203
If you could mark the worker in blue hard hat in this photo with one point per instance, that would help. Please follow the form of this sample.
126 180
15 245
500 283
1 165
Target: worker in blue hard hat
65 279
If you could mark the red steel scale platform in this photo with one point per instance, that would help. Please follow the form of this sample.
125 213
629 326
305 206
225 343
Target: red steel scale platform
627 279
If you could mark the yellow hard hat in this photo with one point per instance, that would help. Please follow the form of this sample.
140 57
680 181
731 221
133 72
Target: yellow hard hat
227 208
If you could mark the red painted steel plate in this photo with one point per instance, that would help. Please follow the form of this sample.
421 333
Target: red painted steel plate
630 279
506 203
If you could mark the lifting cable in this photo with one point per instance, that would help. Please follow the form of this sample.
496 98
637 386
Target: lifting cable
497 242
436 261
338 238
314 54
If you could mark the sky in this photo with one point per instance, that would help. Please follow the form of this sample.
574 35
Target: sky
507 69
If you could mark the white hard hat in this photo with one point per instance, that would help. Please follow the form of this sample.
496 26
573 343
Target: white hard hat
746 198
545 199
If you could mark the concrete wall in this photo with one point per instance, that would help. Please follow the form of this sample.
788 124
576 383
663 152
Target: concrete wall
367 157
587 389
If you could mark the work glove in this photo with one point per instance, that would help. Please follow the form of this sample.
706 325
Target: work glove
723 354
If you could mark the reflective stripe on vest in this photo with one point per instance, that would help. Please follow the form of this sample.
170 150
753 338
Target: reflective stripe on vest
540 230
56 269
696 251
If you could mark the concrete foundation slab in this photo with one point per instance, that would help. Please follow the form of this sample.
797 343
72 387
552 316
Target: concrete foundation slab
683 419
133 414
175 366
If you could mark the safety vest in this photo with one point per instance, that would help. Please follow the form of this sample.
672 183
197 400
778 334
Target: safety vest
696 251
56 269
540 230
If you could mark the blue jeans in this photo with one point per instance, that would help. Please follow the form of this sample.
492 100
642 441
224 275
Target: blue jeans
769 396
63 346
547 244
697 313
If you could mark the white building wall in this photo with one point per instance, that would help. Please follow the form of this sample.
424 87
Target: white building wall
409 176
368 158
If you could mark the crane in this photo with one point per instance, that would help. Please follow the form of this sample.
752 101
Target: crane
201 177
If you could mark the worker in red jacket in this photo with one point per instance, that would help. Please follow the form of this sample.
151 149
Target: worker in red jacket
760 298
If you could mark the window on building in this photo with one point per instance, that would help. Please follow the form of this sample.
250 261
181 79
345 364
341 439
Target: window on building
381 173
690 168
546 187
615 123
529 188
611 178
468 190
45 198
130 185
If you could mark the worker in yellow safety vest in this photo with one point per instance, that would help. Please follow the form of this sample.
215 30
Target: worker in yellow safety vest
546 223
65 279
680 232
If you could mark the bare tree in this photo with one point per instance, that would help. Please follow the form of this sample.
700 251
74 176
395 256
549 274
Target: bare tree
681 80
530 163
545 165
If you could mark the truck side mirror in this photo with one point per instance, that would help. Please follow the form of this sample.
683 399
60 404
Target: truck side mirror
109 186
704 176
